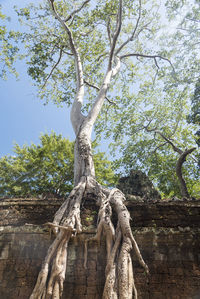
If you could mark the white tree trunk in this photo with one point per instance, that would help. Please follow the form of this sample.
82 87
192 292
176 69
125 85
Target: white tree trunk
83 161
119 241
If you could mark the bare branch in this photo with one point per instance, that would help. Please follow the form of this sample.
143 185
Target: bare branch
72 44
97 88
53 68
159 146
144 27
193 20
147 127
116 35
175 148
108 31
76 114
76 11
86 33
197 43
133 34
101 56
138 19
175 128
65 52
148 56
156 62
184 29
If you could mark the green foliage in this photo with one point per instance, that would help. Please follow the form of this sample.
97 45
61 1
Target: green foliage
141 148
185 42
146 92
46 41
8 48
46 169
195 116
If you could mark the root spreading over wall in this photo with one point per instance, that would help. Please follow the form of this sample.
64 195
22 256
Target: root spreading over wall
119 280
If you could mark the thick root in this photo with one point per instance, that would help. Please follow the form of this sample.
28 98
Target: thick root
50 280
55 250
119 280
119 272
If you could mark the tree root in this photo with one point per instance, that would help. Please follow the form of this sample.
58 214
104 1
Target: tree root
119 282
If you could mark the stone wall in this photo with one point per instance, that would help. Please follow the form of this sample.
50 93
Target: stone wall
167 232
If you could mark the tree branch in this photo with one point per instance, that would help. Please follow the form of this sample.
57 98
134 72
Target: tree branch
76 11
76 114
97 88
108 31
96 108
181 160
148 56
193 20
116 35
175 148
133 34
55 65
72 45
159 146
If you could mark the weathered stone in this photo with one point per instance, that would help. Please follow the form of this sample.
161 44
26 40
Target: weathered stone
173 254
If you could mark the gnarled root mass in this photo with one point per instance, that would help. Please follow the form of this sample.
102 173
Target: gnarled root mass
119 282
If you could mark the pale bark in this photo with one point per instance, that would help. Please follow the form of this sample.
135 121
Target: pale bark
119 282
83 162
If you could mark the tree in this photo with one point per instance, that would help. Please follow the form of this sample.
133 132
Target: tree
182 158
145 131
104 47
95 39
46 169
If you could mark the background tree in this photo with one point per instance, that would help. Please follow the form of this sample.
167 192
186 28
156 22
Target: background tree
194 116
147 135
46 169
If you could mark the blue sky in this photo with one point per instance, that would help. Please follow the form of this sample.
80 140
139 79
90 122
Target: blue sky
23 117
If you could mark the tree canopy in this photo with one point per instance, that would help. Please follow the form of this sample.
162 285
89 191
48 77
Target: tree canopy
50 60
46 169
157 82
